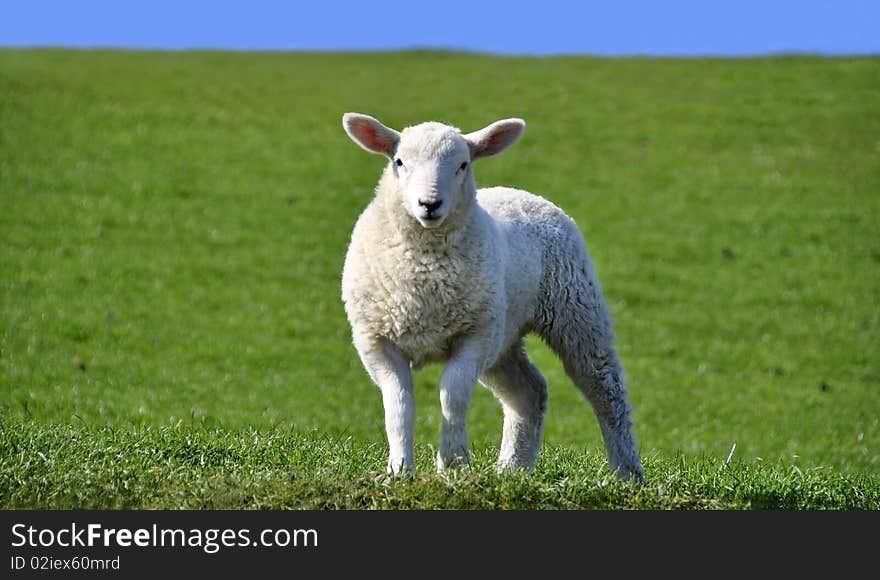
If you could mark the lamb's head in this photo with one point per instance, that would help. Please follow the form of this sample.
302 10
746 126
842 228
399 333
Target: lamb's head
431 162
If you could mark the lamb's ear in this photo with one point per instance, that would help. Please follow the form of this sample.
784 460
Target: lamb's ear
495 138
370 134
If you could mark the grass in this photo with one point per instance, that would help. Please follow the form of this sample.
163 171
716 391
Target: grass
81 467
173 231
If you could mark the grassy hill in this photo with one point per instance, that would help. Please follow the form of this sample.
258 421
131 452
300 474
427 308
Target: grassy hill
173 228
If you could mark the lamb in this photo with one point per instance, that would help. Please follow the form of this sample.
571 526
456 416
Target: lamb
438 271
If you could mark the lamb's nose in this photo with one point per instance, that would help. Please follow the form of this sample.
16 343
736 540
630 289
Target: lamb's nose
431 206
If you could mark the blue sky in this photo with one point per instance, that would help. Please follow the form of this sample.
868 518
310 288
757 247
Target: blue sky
624 27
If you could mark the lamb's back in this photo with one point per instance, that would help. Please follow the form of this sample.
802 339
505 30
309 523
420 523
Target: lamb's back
537 234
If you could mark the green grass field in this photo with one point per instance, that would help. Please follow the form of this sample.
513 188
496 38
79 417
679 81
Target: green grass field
174 225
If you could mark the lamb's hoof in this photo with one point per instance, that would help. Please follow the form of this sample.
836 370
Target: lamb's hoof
398 467
630 473
513 465
451 462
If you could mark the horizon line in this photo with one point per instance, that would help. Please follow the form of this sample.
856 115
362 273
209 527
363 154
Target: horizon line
445 49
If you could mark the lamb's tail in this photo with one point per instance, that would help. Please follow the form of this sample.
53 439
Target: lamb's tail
575 323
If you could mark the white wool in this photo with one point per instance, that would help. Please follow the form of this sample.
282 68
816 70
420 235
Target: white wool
463 283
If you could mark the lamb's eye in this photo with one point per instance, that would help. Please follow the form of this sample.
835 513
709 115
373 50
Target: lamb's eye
463 166
398 162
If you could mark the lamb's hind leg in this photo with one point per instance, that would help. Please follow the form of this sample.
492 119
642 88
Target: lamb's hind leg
523 395
603 387
580 333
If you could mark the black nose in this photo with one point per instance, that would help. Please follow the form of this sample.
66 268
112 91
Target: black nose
431 206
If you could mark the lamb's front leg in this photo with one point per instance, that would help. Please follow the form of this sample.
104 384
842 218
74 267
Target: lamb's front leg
456 388
390 370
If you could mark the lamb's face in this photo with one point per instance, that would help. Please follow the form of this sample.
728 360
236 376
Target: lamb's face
432 163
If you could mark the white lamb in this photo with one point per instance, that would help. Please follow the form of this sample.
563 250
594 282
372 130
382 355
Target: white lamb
438 271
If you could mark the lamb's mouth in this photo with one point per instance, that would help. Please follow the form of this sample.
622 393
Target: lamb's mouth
431 220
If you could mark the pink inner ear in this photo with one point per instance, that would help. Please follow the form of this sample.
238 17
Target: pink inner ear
370 137
498 140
